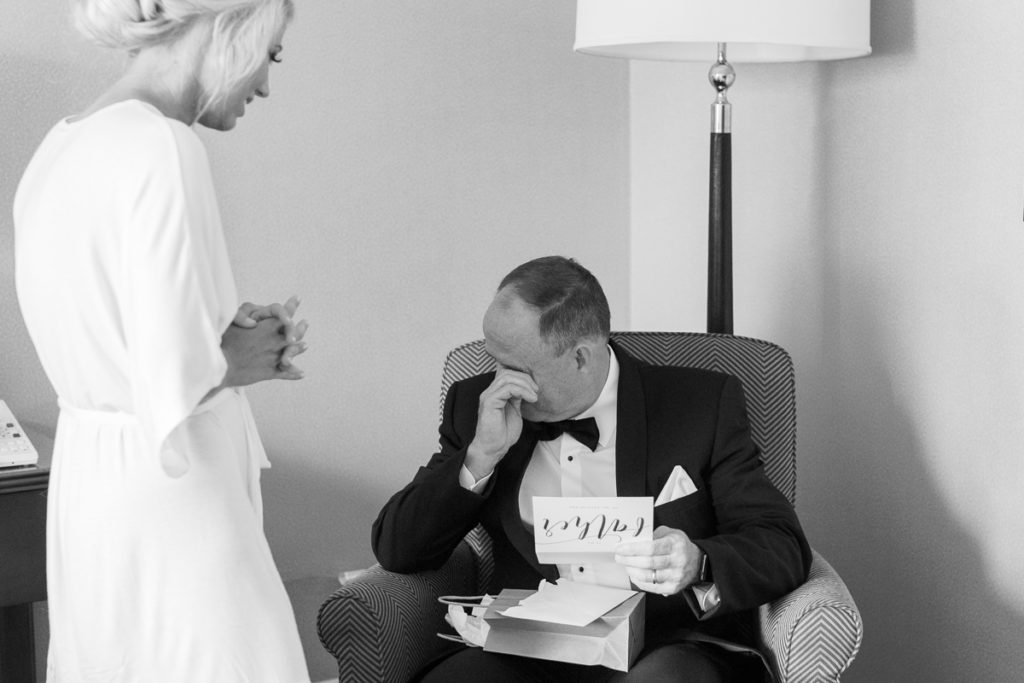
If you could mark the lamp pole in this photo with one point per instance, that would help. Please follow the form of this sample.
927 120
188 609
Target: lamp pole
721 76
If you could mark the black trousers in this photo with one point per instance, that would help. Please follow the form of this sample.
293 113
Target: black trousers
688 662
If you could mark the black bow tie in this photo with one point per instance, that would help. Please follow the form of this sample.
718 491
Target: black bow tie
585 431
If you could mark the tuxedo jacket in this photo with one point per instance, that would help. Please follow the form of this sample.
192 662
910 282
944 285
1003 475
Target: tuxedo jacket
667 416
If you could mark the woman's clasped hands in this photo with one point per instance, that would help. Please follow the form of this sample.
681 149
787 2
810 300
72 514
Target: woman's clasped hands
262 342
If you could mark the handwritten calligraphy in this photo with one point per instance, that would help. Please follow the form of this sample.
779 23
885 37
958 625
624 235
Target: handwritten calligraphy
588 528
597 527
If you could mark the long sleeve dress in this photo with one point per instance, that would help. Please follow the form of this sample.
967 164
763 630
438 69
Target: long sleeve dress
157 565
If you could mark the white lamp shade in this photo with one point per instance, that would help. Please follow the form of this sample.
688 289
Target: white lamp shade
754 30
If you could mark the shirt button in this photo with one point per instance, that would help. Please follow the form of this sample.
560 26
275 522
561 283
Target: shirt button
570 458
581 570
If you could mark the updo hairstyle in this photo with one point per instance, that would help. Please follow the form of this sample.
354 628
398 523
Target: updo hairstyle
235 34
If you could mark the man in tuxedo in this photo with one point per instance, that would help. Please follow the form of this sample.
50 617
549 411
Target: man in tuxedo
567 413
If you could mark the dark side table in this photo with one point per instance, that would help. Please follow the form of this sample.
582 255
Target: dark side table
22 567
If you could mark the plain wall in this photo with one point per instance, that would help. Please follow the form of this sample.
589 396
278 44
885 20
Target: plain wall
878 237
409 156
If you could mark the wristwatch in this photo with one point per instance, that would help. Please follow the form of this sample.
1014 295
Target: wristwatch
705 570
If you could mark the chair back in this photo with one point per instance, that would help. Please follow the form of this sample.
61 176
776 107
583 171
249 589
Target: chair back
766 371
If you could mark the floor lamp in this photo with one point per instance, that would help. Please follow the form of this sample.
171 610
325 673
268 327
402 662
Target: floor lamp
701 30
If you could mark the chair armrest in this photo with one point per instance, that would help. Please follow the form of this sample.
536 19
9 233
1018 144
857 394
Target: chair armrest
382 627
813 633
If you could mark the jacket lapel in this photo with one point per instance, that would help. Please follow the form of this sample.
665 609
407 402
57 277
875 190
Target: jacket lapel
514 467
631 429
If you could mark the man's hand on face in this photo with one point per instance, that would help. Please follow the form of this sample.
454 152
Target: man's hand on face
499 420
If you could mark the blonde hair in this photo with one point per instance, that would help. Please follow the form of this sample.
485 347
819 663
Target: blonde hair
236 34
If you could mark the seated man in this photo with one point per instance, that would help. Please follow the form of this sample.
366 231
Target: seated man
717 553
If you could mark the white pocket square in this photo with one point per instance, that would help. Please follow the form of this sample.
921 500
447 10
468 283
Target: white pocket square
678 485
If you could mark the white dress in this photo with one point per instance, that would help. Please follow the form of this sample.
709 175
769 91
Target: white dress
157 565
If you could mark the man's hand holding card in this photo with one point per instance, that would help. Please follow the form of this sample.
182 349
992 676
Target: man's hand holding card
621 530
670 561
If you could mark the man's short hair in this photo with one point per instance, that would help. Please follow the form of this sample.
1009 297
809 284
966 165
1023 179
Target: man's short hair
569 298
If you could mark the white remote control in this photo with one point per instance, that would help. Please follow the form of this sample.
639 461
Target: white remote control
15 448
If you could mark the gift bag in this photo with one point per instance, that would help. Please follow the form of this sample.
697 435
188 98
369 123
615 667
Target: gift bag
614 640
466 616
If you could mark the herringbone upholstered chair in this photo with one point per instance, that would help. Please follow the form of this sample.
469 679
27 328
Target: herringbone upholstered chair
382 627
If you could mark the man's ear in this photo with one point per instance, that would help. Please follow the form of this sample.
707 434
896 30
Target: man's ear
584 355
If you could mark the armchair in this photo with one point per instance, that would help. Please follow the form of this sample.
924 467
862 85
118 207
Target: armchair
382 627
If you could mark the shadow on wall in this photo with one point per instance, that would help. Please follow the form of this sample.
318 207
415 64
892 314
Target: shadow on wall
914 548
328 508
307 595
336 512
892 28
917 575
